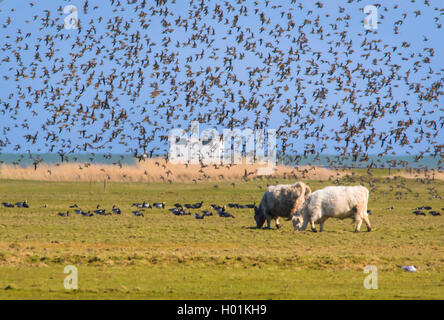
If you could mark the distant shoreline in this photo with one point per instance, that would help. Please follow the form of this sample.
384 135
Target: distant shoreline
159 170
325 161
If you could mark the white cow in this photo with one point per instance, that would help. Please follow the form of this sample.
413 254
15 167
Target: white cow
333 202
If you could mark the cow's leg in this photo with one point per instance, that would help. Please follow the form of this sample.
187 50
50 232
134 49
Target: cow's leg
268 222
304 224
277 223
312 224
358 224
315 216
358 221
367 222
364 215
359 216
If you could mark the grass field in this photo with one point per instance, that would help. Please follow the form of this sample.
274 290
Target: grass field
162 256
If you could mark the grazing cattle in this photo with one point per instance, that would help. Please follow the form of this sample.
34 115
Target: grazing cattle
282 200
333 202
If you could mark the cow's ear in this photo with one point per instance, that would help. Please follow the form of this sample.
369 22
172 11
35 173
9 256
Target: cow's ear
307 191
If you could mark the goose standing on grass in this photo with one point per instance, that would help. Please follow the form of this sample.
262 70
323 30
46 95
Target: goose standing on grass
218 208
180 212
225 214
7 205
138 214
23 204
142 205
116 210
100 211
87 214
159 205
197 205
146 205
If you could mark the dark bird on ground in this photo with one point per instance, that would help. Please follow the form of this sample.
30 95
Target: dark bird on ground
100 212
141 205
138 214
218 208
197 205
116 210
424 208
419 213
23 204
146 205
63 214
159 205
7 205
180 212
225 214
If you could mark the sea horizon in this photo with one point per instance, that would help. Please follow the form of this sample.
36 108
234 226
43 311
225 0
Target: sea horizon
427 162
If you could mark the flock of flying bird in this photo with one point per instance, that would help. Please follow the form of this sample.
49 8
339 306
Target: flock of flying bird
127 77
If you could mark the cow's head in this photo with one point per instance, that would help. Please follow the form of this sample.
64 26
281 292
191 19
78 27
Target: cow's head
297 221
259 217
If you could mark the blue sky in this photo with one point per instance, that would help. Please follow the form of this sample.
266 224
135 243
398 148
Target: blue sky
413 30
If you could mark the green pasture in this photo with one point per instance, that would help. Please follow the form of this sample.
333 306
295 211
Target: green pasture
162 256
